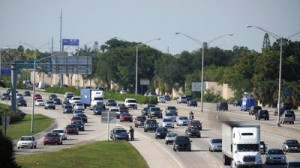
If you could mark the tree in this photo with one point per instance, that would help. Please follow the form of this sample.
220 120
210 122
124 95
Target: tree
7 159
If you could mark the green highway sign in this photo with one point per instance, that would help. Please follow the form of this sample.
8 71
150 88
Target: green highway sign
25 64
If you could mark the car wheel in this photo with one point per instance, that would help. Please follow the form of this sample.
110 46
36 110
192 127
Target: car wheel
18 147
174 149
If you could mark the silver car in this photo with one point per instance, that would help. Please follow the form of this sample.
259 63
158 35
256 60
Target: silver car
182 120
170 116
167 122
170 137
215 145
27 142
275 155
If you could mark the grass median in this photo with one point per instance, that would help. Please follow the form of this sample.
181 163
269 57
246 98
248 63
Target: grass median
101 154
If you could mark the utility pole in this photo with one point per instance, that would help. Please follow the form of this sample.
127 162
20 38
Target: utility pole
61 49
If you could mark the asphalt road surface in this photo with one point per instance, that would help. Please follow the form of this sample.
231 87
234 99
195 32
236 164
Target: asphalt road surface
155 151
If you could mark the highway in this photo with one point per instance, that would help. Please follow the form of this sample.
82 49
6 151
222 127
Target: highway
156 152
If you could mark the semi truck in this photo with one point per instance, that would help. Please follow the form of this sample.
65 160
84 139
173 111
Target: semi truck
92 97
241 144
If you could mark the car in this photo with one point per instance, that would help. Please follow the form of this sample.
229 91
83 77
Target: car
263 147
57 101
39 102
237 102
21 102
291 145
52 96
290 112
53 138
161 99
195 124
19 96
139 121
61 132
293 164
275 156
123 91
68 95
75 99
254 109
123 109
262 114
66 102
171 109
115 110
170 137
37 96
215 144
189 97
161 132
181 99
119 133
27 142
125 117
222 106
74 119
150 124
170 116
192 103
193 132
182 143
110 102
152 94
130 103
79 125
287 118
97 110
167 122
144 111
72 129
83 116
5 96
78 106
167 97
182 120
154 112
68 108
49 104
26 93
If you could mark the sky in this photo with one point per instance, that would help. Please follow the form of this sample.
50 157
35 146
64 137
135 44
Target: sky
34 23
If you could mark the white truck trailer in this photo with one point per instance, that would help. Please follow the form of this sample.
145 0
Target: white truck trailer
241 144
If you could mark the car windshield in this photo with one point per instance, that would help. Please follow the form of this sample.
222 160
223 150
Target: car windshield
195 122
172 134
52 135
171 108
275 151
183 139
162 130
114 109
151 121
98 98
169 114
155 109
58 131
294 164
247 147
120 131
26 139
292 142
71 126
183 118
216 141
167 120
131 101
141 118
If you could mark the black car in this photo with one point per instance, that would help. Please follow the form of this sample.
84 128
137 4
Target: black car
263 147
223 106
110 102
52 96
254 109
154 112
189 97
193 132
192 103
182 143
262 114
5 96
68 109
65 102
97 110
83 117
161 132
290 145
26 93
22 102
79 125
150 124
144 111
56 101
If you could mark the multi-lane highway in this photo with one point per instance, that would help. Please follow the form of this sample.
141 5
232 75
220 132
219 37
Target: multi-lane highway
155 152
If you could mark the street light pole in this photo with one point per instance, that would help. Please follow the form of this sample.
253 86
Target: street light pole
137 63
33 95
202 65
275 36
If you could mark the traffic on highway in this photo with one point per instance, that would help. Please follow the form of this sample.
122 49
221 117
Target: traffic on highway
168 134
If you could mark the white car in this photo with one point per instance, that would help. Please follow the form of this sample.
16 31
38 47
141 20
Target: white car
75 99
170 116
78 106
123 92
130 103
170 137
167 122
27 142
61 133
161 99
39 102
19 96
182 120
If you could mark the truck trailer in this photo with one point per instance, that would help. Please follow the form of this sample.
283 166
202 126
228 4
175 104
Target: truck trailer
241 144
91 97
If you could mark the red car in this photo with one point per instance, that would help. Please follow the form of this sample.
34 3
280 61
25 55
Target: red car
37 96
53 138
125 117
74 119
72 129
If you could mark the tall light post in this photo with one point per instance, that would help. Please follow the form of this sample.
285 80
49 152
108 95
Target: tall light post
276 37
202 65
137 60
